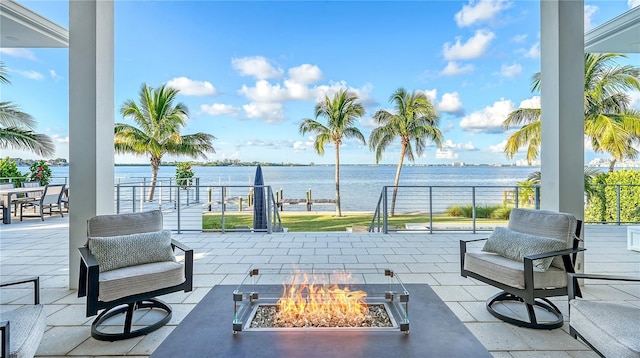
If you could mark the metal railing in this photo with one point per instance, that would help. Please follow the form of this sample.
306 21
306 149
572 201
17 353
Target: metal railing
430 203
184 208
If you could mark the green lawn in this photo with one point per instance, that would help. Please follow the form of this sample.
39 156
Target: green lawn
313 222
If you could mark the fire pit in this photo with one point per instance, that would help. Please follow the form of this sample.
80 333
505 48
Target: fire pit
320 301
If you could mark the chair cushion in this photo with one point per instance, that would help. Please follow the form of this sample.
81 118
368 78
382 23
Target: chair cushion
516 245
139 279
613 329
114 252
511 272
546 223
124 224
26 328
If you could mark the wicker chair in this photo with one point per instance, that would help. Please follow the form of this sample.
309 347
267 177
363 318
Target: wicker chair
121 272
523 277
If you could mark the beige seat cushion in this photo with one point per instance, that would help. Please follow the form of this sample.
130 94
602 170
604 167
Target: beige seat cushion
510 272
612 329
26 328
139 279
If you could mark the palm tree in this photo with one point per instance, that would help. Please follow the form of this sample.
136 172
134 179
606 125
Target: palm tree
413 120
340 112
609 123
16 128
159 123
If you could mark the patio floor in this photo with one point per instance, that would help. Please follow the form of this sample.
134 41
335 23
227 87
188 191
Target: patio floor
40 248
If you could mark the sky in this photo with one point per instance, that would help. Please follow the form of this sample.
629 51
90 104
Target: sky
250 72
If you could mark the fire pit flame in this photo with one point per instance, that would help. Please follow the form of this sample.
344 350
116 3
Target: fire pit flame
320 305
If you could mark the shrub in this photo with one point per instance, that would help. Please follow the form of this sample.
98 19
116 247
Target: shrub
184 174
9 169
501 213
482 211
603 203
39 171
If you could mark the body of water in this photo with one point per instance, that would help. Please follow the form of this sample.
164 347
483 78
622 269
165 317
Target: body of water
360 185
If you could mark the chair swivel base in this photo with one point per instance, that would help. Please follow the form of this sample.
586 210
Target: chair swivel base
128 310
533 322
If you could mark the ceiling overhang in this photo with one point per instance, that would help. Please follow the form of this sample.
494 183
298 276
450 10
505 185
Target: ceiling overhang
619 35
21 27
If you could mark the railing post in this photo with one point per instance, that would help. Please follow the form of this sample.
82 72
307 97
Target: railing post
159 195
384 218
431 210
222 208
197 190
537 199
269 196
516 197
209 197
170 191
618 209
133 197
117 198
473 207
178 207
142 198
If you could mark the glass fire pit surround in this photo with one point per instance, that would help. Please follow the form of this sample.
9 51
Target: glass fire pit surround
269 300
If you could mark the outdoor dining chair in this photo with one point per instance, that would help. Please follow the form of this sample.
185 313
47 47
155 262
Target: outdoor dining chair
21 329
51 199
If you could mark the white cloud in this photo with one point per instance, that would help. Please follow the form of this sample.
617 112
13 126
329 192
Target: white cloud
480 11
473 48
189 87
54 75
257 66
498 148
453 69
219 109
301 146
488 119
511 71
589 11
450 103
519 38
59 139
32 75
633 3
449 144
305 74
269 112
446 154
533 51
635 98
533 102
18 52
264 91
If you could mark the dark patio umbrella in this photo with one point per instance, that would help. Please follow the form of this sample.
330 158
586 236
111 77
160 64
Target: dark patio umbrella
259 204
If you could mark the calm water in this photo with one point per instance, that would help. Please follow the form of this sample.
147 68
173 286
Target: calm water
360 186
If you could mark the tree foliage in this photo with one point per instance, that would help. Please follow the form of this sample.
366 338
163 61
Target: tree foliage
603 206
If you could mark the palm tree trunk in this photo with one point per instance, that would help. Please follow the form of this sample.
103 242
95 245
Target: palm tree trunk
403 148
612 165
155 165
338 208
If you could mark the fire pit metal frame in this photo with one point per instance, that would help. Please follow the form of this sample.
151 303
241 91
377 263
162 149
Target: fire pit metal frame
395 299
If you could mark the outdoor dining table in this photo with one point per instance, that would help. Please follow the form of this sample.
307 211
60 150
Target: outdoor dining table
6 199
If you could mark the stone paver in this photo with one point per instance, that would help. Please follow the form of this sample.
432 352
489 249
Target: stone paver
226 258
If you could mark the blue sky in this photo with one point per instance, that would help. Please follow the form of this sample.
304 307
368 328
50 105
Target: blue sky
249 72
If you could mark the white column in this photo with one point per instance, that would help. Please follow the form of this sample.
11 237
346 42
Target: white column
91 119
562 92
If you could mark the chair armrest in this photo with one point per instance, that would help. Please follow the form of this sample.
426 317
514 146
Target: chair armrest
574 288
528 262
36 286
88 282
188 262
179 245
463 251
87 257
5 334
